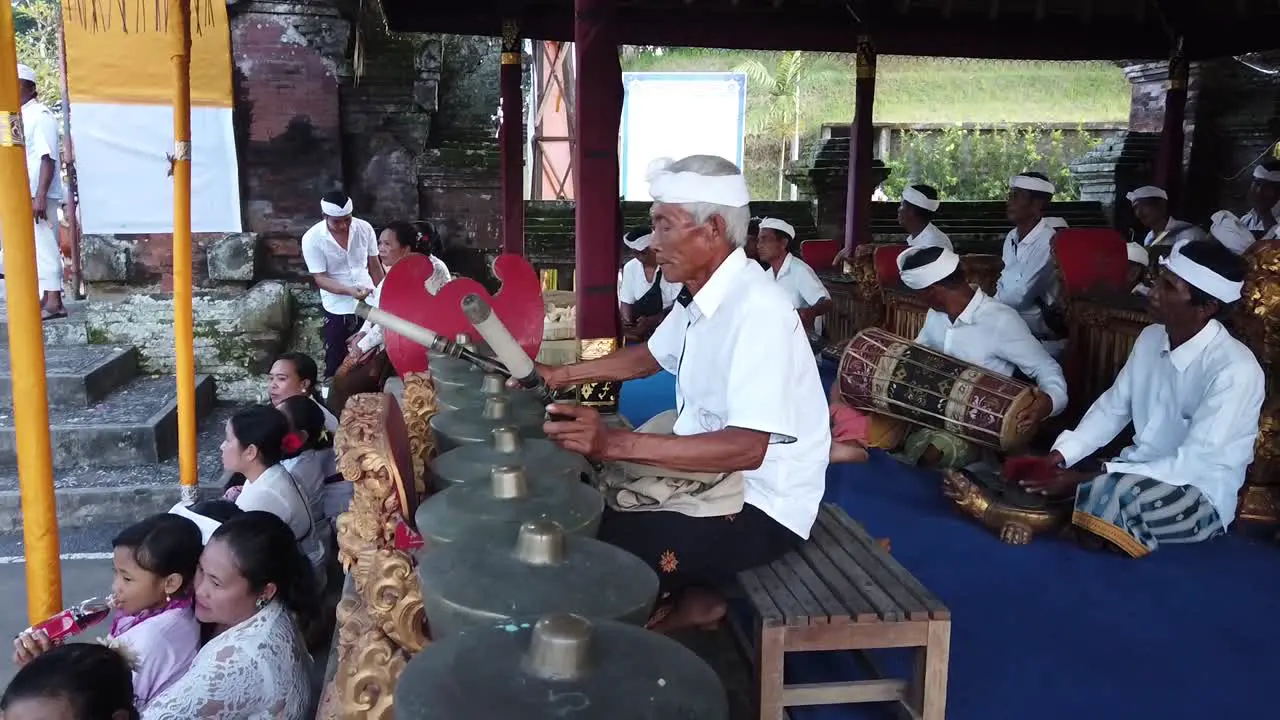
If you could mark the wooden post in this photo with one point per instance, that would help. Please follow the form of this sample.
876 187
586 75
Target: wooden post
183 331
597 250
26 346
1172 135
511 148
69 165
857 212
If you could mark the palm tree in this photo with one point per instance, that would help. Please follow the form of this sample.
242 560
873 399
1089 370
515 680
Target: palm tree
780 120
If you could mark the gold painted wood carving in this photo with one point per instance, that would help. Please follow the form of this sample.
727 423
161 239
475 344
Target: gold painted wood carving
1015 522
419 407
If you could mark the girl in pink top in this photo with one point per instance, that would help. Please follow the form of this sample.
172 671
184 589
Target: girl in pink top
155 625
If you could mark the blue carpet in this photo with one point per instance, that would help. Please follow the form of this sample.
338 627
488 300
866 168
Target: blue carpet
1050 631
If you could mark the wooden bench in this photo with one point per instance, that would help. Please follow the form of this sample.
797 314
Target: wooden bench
842 591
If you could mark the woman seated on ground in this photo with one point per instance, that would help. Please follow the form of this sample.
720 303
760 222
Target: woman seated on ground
254 587
432 246
254 448
295 373
306 458
76 681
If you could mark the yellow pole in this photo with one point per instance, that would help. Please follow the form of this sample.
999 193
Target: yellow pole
183 333
26 345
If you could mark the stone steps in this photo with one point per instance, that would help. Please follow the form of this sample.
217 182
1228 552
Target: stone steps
76 375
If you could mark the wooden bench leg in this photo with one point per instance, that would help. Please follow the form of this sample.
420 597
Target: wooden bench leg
770 647
928 693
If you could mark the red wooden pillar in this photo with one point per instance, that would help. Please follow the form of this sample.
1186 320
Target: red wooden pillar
598 114
1172 136
857 212
511 141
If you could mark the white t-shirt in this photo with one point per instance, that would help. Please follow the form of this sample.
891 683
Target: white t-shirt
348 266
40 130
799 282
632 285
741 358
277 492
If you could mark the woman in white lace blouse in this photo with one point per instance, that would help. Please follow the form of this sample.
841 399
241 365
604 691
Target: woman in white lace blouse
254 586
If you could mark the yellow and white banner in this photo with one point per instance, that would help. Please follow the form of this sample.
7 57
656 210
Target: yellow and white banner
121 83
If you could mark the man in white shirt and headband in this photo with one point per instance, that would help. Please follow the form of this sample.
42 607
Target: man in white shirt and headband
1139 261
1193 394
1231 232
804 290
750 423
1029 282
341 252
967 324
1151 207
1264 200
644 295
915 215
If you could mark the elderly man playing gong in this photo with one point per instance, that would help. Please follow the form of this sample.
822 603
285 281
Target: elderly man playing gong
969 325
750 426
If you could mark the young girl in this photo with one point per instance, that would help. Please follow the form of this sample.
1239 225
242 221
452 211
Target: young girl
155 565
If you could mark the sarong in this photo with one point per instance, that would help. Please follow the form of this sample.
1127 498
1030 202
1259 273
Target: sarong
956 451
338 329
1137 514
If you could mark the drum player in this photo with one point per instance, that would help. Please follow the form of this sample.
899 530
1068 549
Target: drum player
966 323
750 407
1193 394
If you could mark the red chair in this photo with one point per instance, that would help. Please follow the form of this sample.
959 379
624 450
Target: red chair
819 254
886 260
1092 261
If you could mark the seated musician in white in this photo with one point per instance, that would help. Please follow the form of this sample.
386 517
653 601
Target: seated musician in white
915 215
969 325
1231 232
1151 206
1193 394
1139 261
798 281
750 406
1029 282
1264 201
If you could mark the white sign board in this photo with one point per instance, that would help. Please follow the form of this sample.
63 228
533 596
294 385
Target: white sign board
677 114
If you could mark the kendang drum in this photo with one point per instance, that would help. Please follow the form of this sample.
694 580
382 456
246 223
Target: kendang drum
883 373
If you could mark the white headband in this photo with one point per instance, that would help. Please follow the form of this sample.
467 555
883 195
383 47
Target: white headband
688 187
926 275
26 73
1227 229
206 524
1146 192
1034 184
332 210
1201 276
1137 253
917 198
781 226
640 244
1261 173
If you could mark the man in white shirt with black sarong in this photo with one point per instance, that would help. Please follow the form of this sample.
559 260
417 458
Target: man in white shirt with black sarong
915 215
750 411
798 281
1029 282
1193 394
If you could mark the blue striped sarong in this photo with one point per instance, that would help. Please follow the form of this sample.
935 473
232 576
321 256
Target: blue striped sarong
1138 514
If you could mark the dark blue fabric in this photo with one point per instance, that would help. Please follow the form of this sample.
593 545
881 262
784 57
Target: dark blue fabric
1053 632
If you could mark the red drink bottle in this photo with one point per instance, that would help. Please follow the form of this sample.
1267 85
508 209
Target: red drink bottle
74 620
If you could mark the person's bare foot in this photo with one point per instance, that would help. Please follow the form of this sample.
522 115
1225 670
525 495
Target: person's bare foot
847 452
696 607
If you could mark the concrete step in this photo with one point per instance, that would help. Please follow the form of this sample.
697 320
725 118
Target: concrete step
77 375
135 425
70 330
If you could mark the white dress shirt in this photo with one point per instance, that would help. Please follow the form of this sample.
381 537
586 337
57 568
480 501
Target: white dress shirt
349 266
1251 221
930 236
1174 232
1029 274
1194 411
741 358
40 130
277 492
994 336
632 285
799 282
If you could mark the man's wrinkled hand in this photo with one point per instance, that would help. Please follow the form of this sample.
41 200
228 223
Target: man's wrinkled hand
577 429
1035 413
552 375
39 208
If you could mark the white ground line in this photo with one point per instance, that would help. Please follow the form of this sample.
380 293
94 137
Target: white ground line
19 559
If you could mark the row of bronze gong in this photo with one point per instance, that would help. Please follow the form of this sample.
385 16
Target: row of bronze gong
530 616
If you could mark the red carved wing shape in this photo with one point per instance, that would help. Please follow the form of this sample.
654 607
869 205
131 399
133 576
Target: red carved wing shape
404 293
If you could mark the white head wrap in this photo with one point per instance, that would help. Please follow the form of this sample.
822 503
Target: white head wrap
1201 276
206 524
1146 192
1034 184
917 198
332 210
781 226
926 275
1137 253
1261 173
679 188
26 73
1228 230
640 244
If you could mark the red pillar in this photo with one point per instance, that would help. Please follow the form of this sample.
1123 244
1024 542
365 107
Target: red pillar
857 211
1172 135
511 141
598 113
